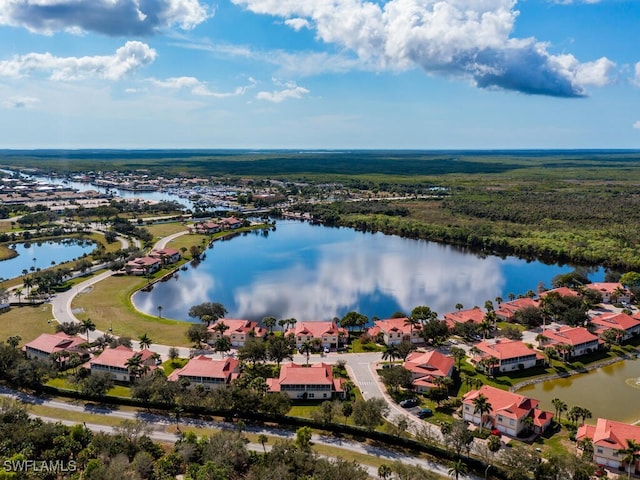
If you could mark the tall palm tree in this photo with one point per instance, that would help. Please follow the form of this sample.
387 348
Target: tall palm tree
87 326
220 327
459 355
18 293
306 348
134 365
145 341
384 471
160 311
560 407
28 283
412 322
459 306
630 455
390 353
269 322
457 467
482 407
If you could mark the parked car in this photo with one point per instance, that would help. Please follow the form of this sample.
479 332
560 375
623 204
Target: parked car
424 413
409 402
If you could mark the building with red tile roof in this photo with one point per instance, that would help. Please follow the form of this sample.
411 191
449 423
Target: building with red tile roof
579 338
114 361
507 310
612 292
472 315
207 371
510 354
425 367
329 333
143 266
231 222
609 438
59 344
562 291
206 227
508 411
314 382
238 331
620 321
166 255
395 331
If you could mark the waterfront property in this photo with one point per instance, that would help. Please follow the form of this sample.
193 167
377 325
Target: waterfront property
473 315
58 346
612 292
506 311
579 339
236 331
609 439
231 223
205 228
315 382
396 330
619 321
425 367
207 371
507 355
327 333
508 411
166 255
115 361
143 266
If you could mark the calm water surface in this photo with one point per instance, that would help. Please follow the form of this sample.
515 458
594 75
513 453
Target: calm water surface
611 392
43 255
316 273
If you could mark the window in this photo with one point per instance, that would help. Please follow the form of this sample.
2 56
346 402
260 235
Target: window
500 418
599 450
512 422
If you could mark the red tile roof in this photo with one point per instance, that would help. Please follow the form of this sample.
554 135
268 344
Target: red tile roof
569 335
615 320
431 363
316 329
508 404
608 433
508 309
606 287
117 357
206 367
504 349
237 326
395 325
316 374
562 291
474 315
58 342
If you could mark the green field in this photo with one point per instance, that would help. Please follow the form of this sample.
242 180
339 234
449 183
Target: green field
28 322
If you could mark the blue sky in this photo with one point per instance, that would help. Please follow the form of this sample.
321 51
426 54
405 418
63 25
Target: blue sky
412 74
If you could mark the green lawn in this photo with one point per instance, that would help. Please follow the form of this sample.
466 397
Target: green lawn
161 230
28 322
170 365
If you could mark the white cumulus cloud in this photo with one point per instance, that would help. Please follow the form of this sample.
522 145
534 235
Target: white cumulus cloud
200 88
297 23
290 90
109 17
125 60
463 38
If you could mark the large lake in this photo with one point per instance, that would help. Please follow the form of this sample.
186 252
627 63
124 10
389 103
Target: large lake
312 272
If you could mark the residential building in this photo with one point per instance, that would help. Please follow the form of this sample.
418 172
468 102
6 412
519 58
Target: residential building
506 311
612 292
114 361
508 413
396 330
143 266
237 332
425 367
231 223
609 438
314 382
207 371
206 228
620 321
472 315
166 255
329 334
579 338
509 354
562 291
59 345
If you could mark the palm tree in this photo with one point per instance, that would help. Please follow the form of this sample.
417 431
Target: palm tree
457 467
222 345
511 296
459 306
282 322
87 326
18 293
160 311
145 341
481 406
269 322
541 338
459 355
412 322
486 327
560 407
498 300
549 354
306 348
384 471
390 353
220 327
134 365
630 455
262 438
28 283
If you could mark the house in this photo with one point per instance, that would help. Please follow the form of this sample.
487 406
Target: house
509 411
59 345
620 321
4 300
395 331
231 223
579 338
507 310
562 291
472 315
329 334
609 438
509 354
114 361
206 228
237 332
315 382
207 371
166 255
612 292
143 266
425 367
